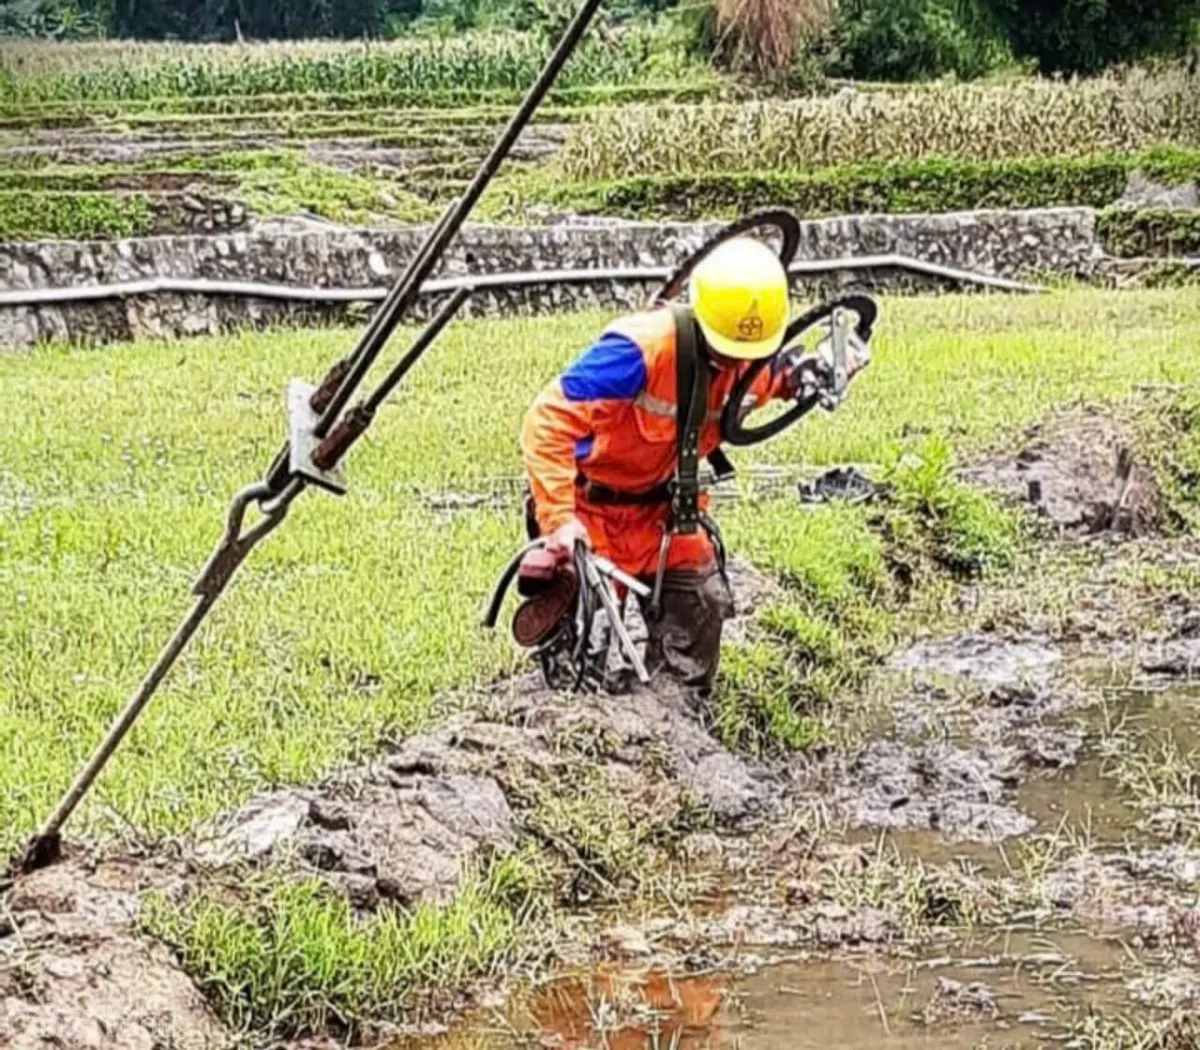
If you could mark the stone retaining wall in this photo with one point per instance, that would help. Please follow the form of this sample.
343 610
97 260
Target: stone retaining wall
1009 244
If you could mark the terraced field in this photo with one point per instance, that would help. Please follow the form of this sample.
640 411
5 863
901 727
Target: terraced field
113 140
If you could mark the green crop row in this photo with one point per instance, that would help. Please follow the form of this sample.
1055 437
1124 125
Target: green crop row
71 203
57 180
563 103
64 202
73 216
466 68
924 186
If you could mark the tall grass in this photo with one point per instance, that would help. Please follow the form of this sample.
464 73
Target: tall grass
765 36
979 122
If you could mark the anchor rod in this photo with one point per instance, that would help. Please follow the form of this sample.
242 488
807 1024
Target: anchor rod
275 494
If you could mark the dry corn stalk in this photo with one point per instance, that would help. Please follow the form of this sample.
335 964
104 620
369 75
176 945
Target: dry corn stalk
1024 118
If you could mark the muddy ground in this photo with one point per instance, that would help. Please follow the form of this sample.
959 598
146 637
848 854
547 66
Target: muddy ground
984 858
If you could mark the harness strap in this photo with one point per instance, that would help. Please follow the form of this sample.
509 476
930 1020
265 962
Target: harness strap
691 396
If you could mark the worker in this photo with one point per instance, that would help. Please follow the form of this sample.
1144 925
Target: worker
603 453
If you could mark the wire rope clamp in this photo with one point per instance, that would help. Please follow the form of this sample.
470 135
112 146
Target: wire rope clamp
302 425
843 344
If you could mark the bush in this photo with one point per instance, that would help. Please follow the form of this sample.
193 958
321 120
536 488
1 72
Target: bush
72 216
925 186
1132 232
913 39
54 19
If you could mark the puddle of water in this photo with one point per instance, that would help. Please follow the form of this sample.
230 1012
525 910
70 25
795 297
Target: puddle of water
1016 988
1005 987
1002 986
1082 797
626 1011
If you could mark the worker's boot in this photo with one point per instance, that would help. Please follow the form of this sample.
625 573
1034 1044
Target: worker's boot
685 636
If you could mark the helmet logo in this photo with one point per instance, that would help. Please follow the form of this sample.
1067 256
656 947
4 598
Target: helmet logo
750 327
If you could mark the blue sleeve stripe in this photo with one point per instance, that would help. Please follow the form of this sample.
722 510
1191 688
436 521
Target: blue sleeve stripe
614 369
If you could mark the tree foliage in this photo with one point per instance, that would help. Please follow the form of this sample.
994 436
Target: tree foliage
914 39
871 39
1085 36
911 39
54 19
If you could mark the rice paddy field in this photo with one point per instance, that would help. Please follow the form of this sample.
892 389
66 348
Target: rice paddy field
363 610
357 625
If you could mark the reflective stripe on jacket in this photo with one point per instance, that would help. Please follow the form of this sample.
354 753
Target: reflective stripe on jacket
611 416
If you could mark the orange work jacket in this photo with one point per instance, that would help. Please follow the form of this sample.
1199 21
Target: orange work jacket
612 416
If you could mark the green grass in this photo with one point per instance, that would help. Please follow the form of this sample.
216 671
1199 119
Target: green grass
1171 430
1095 1031
74 216
118 465
293 959
844 571
961 529
287 184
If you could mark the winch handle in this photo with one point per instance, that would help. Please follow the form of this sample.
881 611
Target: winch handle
733 429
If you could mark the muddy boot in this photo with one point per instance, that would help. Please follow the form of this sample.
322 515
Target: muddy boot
685 637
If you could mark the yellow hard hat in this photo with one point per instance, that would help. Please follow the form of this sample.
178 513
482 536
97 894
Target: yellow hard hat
739 296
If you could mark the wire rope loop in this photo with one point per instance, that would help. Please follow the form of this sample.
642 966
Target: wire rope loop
783 222
733 428
235 544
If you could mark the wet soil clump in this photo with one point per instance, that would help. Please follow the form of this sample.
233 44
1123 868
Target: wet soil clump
1080 472
75 975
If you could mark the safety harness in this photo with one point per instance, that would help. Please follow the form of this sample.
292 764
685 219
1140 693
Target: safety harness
691 399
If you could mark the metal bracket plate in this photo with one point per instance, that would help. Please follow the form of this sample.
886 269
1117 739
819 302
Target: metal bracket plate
841 376
302 421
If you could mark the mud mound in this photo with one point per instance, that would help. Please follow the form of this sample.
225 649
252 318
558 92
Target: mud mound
403 828
977 723
958 791
1081 472
399 836
981 659
74 976
1176 657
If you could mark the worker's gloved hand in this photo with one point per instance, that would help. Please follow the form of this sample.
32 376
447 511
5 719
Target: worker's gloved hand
566 536
858 355
816 370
